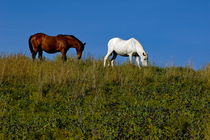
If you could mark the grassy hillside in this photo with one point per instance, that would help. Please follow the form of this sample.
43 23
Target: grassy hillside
81 99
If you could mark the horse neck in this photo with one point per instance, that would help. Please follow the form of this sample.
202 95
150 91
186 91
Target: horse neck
77 46
138 45
72 43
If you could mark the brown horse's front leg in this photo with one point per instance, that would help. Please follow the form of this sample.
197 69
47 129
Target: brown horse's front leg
34 55
64 55
40 55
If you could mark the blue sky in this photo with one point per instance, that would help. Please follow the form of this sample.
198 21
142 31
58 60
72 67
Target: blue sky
173 32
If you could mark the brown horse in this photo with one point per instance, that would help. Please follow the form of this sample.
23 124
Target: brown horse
51 44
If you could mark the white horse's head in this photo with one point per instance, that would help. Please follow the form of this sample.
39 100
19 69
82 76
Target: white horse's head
144 59
141 52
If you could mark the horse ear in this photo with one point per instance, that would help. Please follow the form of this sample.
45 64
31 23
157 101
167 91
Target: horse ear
84 43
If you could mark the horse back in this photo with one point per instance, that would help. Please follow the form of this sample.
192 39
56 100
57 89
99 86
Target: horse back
44 42
120 46
119 43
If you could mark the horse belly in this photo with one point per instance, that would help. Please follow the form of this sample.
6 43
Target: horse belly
50 46
122 50
120 47
121 53
49 49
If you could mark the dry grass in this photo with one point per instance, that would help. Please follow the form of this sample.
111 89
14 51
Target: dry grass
82 99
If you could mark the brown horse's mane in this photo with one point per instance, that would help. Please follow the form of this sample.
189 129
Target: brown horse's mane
72 37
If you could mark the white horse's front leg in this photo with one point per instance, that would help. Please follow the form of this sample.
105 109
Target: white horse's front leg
130 58
138 61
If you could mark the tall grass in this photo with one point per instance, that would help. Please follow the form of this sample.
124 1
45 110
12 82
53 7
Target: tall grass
81 99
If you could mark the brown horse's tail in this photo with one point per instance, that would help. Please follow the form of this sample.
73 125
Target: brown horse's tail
30 45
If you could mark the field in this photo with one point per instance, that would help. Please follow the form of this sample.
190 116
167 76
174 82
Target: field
83 100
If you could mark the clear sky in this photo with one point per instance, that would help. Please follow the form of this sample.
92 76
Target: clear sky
173 32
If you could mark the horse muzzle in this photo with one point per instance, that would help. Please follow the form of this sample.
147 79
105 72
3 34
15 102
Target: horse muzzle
78 57
145 63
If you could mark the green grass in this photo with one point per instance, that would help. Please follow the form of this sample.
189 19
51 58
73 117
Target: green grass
83 100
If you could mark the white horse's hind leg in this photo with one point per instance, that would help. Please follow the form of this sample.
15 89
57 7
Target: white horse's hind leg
113 58
138 61
106 57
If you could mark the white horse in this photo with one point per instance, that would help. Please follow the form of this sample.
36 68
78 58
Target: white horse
131 47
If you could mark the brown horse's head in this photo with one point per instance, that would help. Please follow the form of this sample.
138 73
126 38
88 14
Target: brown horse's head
76 43
80 50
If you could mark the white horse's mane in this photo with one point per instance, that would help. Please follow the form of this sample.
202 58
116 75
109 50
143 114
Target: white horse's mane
137 43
